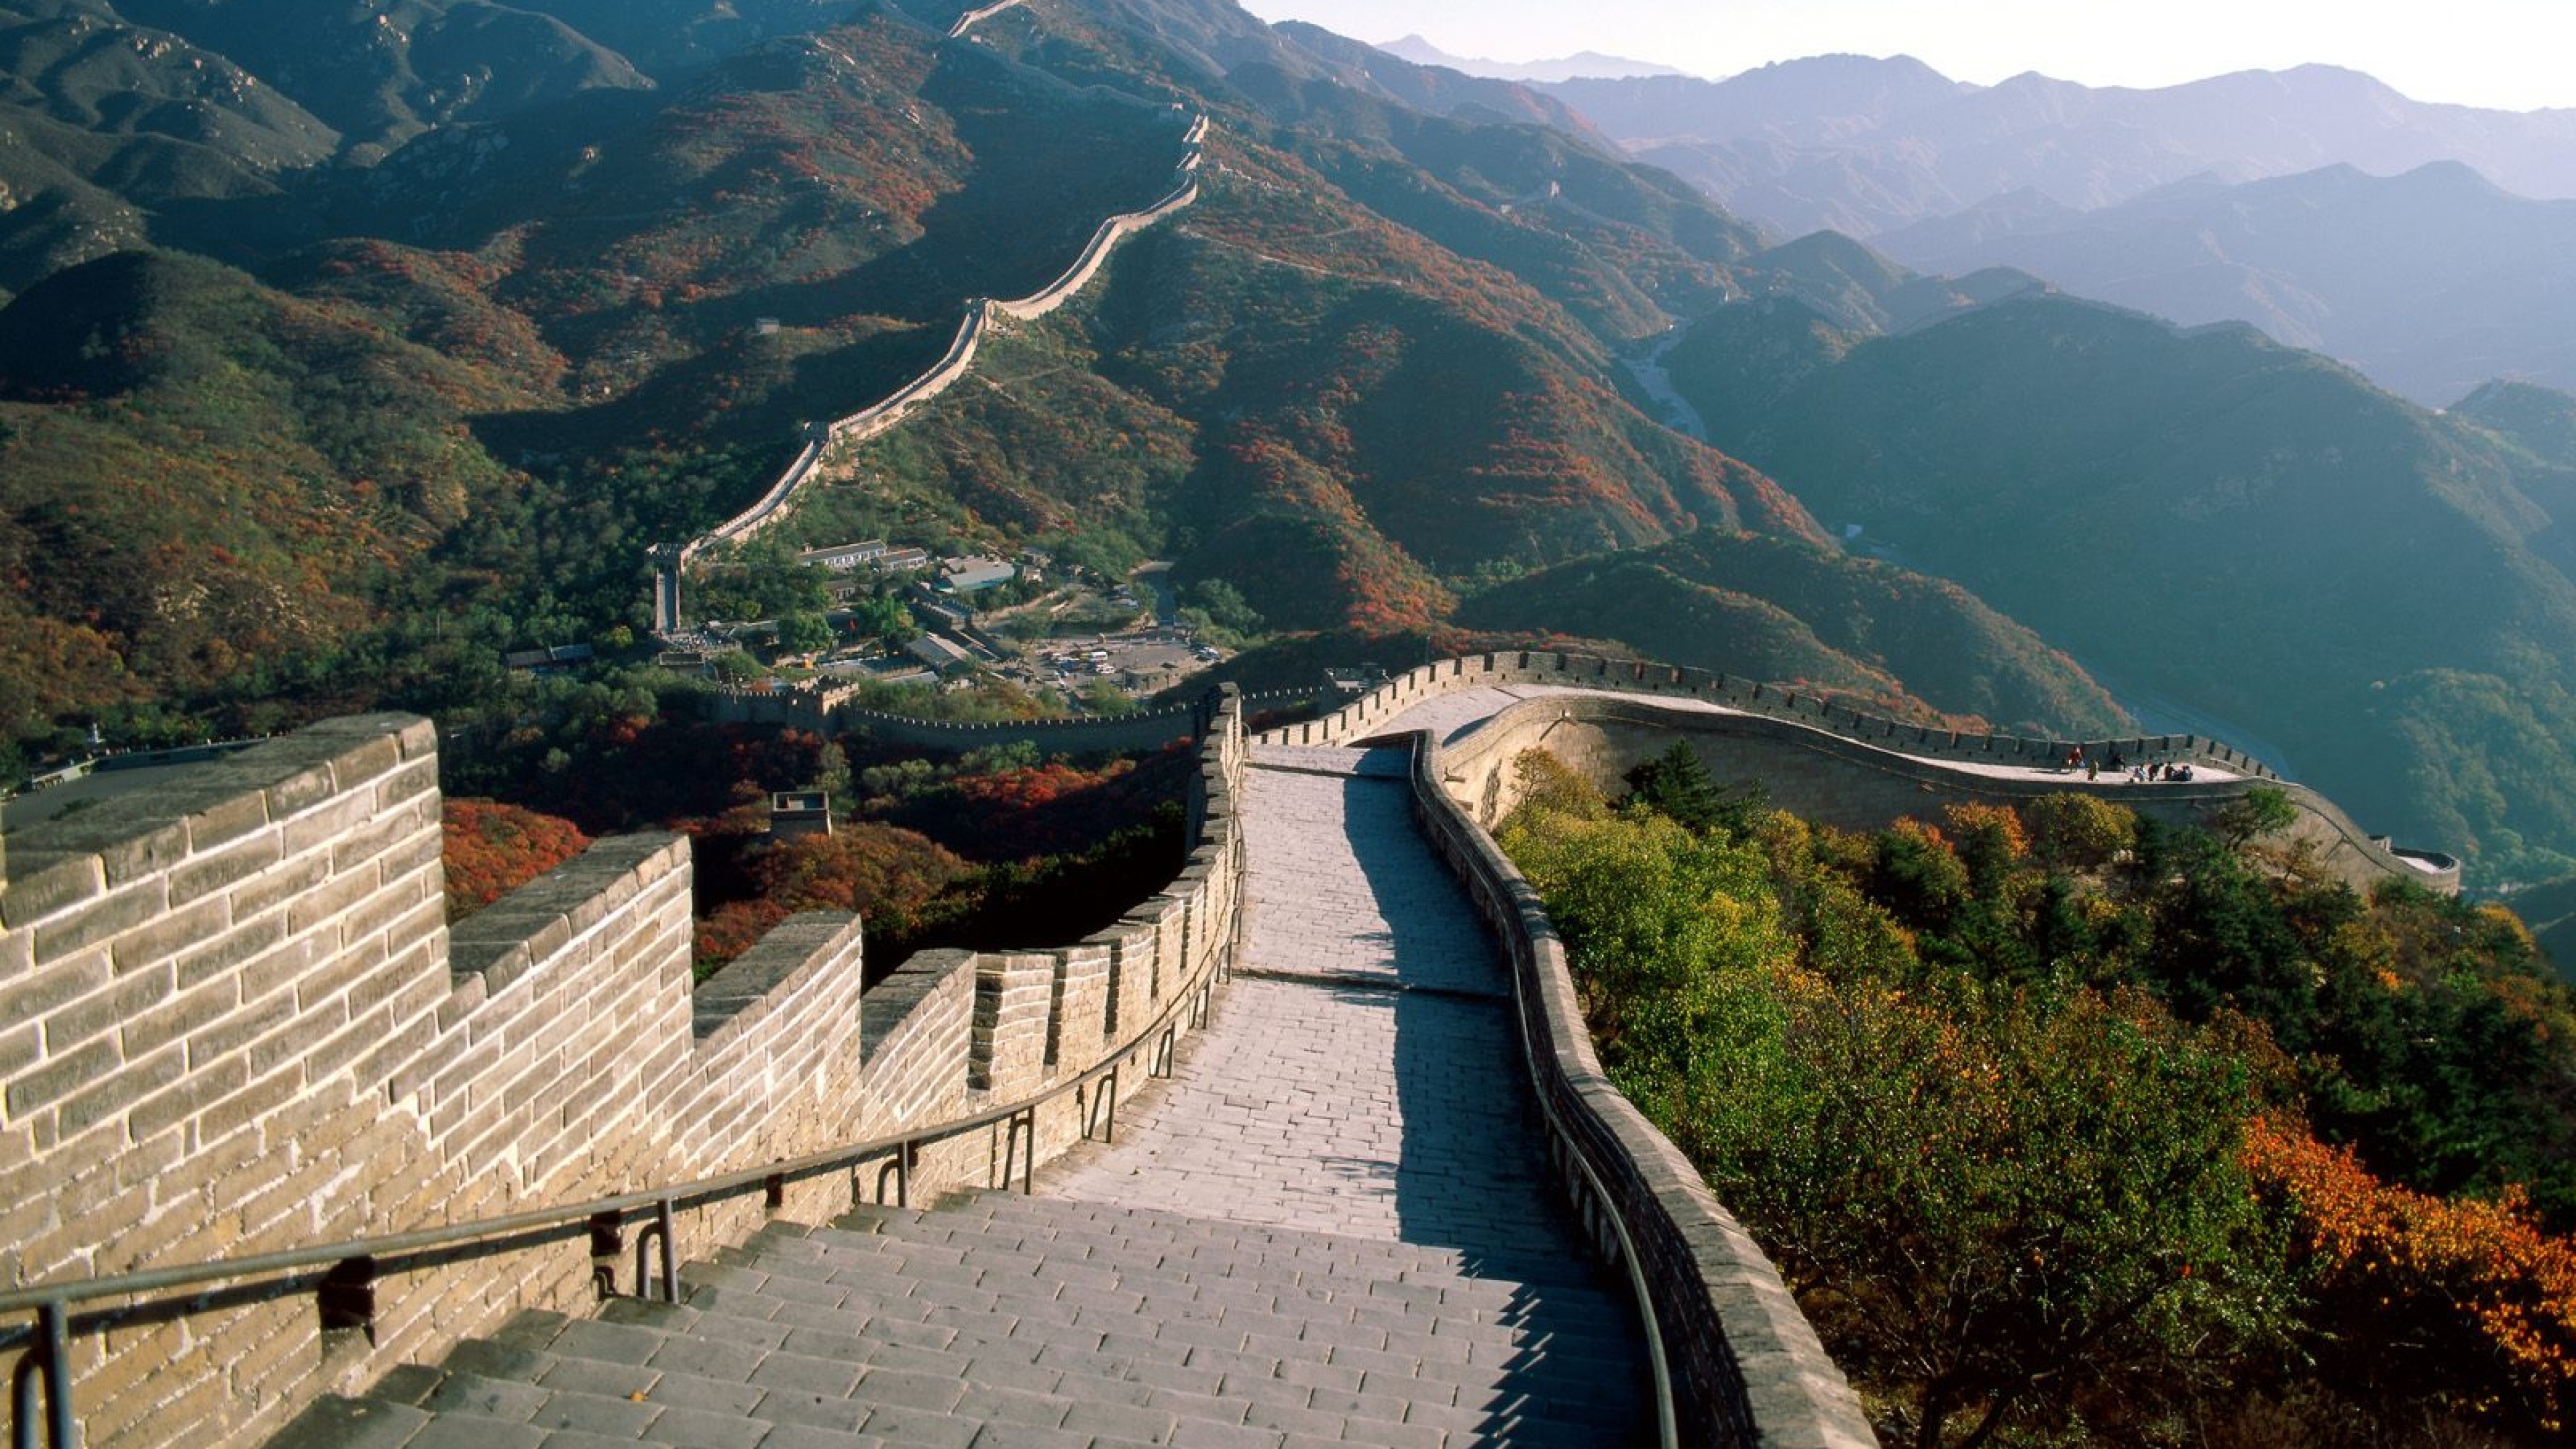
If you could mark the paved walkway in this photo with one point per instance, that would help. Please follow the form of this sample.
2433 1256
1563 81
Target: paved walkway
1455 716
1360 1077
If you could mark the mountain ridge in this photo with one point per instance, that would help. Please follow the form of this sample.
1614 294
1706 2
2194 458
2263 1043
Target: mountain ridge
1866 146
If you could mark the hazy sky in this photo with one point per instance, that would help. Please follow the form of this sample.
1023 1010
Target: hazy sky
2510 54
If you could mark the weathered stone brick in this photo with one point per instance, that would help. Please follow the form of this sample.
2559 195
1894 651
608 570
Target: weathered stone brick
324 903
269 889
232 1030
228 949
299 790
365 761
402 1044
416 780
42 883
60 1076
373 836
217 822
171 934
193 1093
279 968
106 1010
205 872
44 991
322 829
101 919
120 1090
264 1095
20 1045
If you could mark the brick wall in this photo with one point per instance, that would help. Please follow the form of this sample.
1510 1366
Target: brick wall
233 1019
1854 784
1363 716
1743 1365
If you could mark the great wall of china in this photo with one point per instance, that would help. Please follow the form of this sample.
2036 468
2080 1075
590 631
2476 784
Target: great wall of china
984 317
234 1023
299 1137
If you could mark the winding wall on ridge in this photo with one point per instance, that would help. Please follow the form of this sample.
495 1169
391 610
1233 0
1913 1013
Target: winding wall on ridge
1819 759
983 316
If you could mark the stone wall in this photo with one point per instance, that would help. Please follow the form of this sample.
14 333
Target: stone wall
1822 760
1853 785
828 711
1364 716
1744 1366
982 315
233 1019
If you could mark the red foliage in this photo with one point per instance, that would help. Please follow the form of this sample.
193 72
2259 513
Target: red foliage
492 849
884 873
2467 1294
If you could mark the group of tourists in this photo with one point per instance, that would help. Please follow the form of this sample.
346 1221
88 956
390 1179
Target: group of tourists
2139 772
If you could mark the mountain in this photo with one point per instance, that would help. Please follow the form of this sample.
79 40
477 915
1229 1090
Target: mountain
383 71
424 387
1798 612
2430 282
1582 63
1861 290
1867 146
2381 592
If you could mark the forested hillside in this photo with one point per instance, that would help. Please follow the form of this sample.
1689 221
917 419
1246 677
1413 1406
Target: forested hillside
2208 517
2071 1128
506 330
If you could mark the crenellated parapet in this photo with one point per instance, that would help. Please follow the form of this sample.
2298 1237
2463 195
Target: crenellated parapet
1816 758
234 1019
983 316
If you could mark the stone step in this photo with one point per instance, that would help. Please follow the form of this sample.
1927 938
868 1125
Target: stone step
1131 1233
827 1265
1110 1340
625 1381
1002 1321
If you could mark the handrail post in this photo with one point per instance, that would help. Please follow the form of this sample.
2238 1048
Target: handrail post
55 1330
26 1386
670 1252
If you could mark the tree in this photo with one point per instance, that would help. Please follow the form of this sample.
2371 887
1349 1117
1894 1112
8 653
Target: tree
2262 810
1675 783
2079 832
885 616
803 633
1226 607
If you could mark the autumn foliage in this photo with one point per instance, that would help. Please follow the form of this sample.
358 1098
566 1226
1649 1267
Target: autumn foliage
2071 1128
492 849
2451 1298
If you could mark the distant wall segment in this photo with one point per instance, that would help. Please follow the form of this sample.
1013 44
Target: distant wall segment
1822 760
983 316
234 1019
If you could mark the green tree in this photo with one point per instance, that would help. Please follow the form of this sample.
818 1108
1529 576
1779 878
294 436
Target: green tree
2261 811
803 633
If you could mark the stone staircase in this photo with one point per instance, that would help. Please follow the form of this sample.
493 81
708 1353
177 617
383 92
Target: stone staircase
1000 1320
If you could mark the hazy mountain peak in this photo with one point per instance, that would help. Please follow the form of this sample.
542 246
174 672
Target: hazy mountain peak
1588 63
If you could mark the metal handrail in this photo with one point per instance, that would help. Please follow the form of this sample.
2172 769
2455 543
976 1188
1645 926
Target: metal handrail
53 1301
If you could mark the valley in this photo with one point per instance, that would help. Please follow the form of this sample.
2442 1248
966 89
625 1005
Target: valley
839 444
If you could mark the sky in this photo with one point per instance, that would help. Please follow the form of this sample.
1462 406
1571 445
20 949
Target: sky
2507 54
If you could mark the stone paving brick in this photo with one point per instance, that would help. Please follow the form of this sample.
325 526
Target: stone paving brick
699 1429
467 1432
806 1436
486 1398
596 1414
1332 1226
